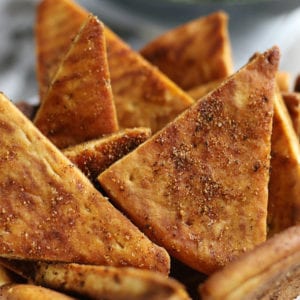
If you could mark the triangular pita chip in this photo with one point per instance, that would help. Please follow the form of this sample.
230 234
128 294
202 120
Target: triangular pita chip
57 23
79 103
270 271
104 282
194 53
284 186
30 292
144 97
50 211
292 102
199 186
93 157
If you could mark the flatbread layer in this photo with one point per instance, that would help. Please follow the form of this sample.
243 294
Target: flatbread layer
79 104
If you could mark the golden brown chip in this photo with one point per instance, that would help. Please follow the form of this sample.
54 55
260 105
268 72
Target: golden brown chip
79 105
50 211
283 81
194 53
270 271
292 102
144 97
284 186
93 157
57 23
30 292
199 186
110 283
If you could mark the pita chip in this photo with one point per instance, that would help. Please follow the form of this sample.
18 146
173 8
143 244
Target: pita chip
57 23
51 212
144 97
270 271
199 187
93 157
292 102
194 53
284 186
105 282
30 292
79 104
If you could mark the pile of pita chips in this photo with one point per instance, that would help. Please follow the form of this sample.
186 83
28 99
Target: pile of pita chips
51 212
79 104
271 271
194 53
186 186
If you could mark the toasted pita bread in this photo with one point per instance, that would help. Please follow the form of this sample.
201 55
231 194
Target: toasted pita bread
57 23
270 271
144 97
93 157
50 211
79 104
284 186
199 186
30 292
194 53
292 102
100 282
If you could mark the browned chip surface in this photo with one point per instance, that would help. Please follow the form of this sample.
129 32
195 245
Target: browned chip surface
270 271
292 102
200 186
284 186
57 23
30 292
93 157
194 53
144 97
79 104
50 211
109 283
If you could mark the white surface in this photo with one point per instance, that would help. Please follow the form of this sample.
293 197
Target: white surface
250 31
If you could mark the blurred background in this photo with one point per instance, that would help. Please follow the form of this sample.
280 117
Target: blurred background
254 26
